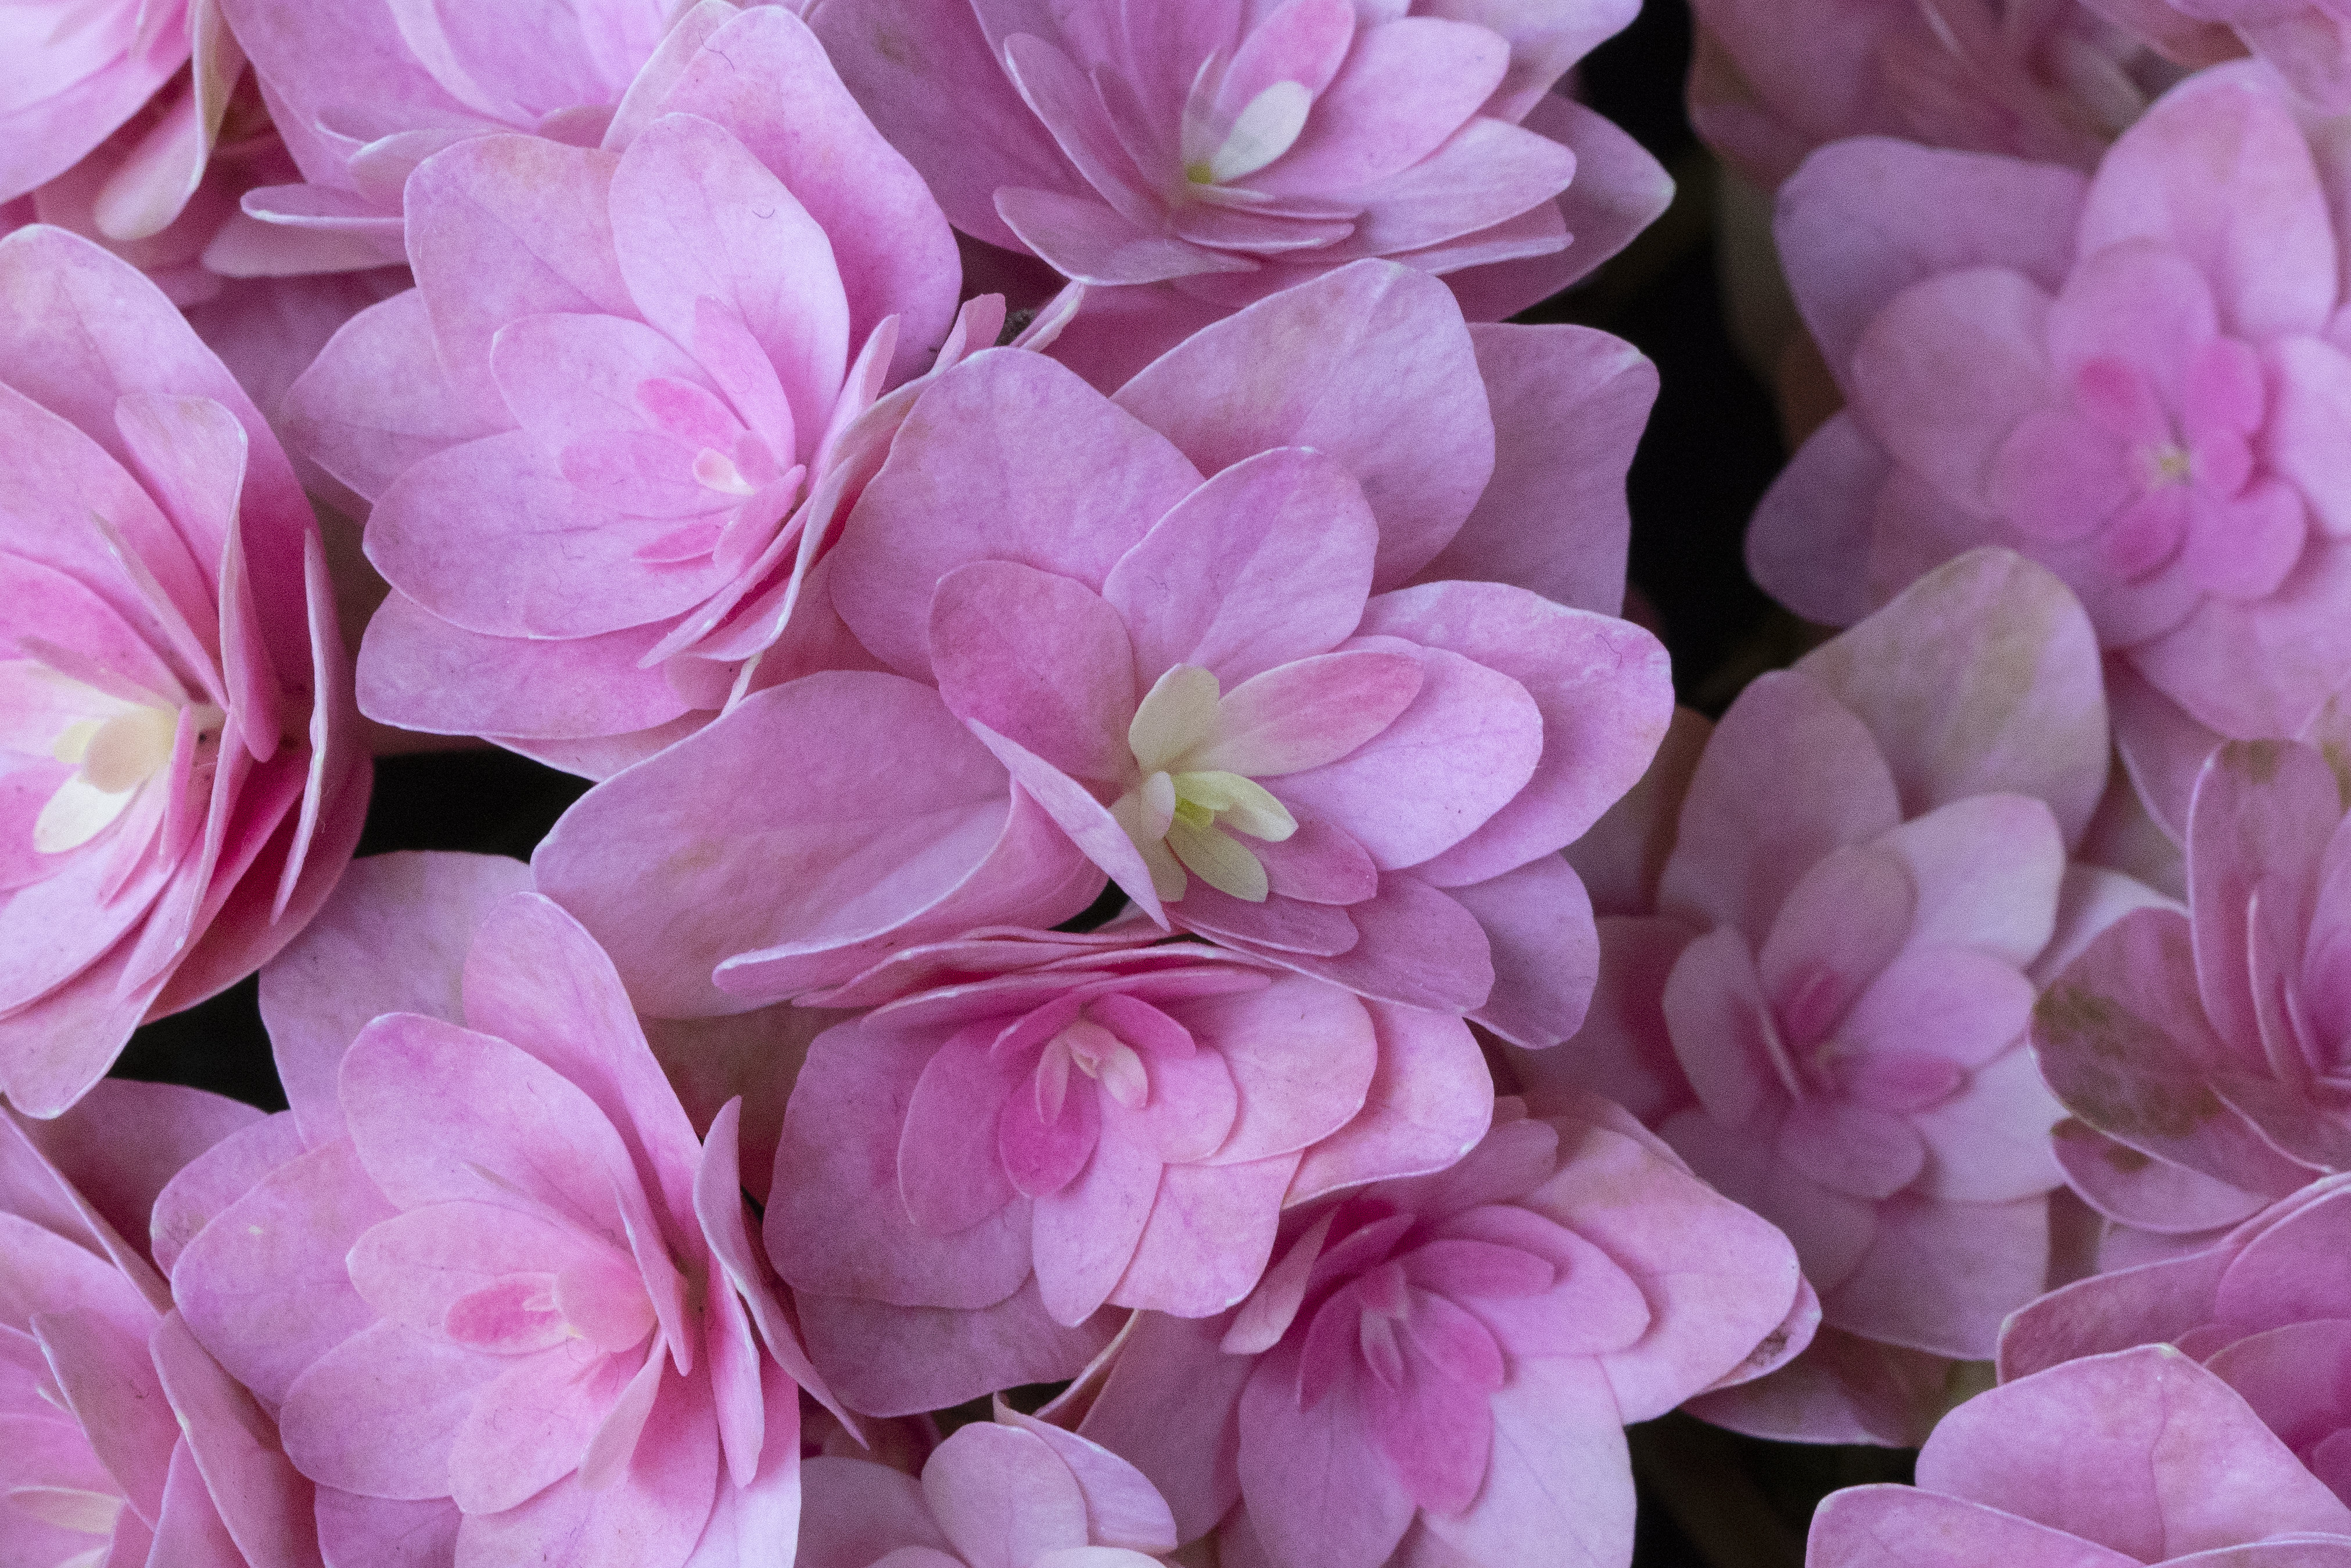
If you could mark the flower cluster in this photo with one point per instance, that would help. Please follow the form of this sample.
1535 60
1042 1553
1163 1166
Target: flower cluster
1129 843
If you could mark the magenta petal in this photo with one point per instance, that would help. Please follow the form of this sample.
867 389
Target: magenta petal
1040 659
1268 562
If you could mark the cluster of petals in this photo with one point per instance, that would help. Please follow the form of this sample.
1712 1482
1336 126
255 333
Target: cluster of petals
1439 1370
365 90
1772 81
2139 1457
1184 157
2309 41
1818 992
179 787
1012 1493
2266 1309
631 371
969 1171
2205 1054
501 1300
1313 655
2131 377
126 1444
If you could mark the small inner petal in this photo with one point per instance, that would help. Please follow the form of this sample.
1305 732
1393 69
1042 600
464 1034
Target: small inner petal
1219 859
1178 713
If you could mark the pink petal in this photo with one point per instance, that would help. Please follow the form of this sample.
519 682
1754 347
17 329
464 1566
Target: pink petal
1395 396
1900 195
2224 176
1075 516
1211 1233
1860 1526
1267 563
267 1291
695 216
897 1361
1319 1490
1554 1419
1589 396
1003 1497
1040 659
1740 851
378 1413
1810 542
840 1224
1940 1277
515 226
2172 1427
2031 728
1085 1234
1544 947
770 83
368 953
908 816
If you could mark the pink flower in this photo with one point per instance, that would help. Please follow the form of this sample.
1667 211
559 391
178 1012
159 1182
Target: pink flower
154 80
967 1172
593 481
2267 1309
2133 380
1821 998
2139 1457
365 90
2208 1053
2049 79
1263 702
1018 1495
501 1299
181 788
126 1442
1185 158
2309 41
1439 1370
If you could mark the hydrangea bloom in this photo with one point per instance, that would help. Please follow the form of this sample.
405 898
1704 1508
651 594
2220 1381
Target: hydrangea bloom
2140 1457
2267 1309
364 91
1439 1370
1076 1120
127 1443
1017 1495
592 480
2207 1053
502 1300
2133 379
1263 702
181 788
154 79
1185 158
2050 79
1821 1000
